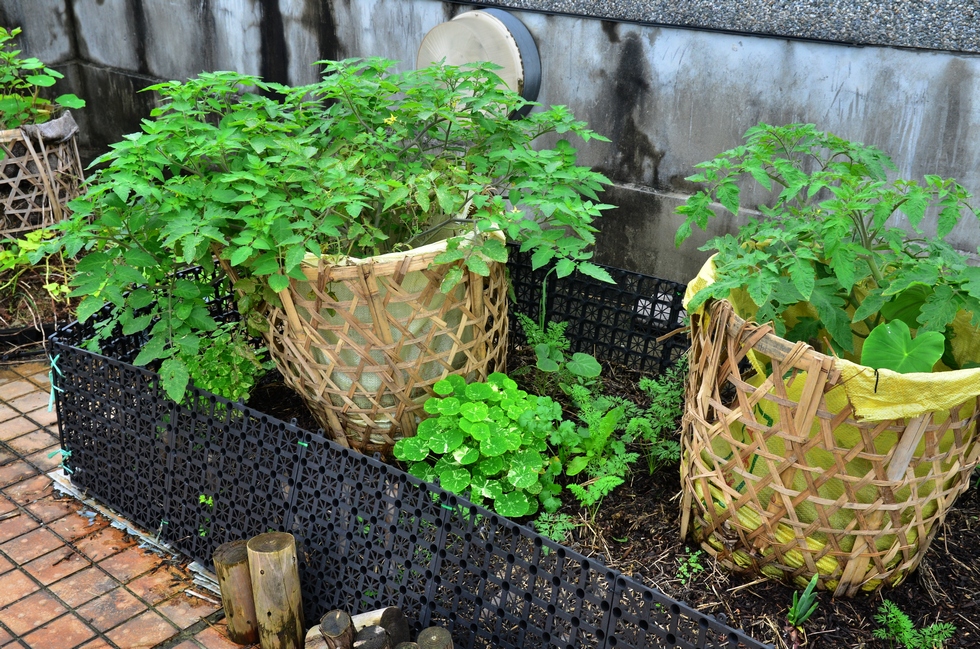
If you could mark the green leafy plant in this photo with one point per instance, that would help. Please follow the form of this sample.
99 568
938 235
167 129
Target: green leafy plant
489 442
225 363
689 567
897 628
822 261
553 365
363 162
556 526
18 256
21 81
660 418
803 605
591 493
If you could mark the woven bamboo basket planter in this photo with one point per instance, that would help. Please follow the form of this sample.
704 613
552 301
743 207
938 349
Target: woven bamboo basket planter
40 171
780 478
363 342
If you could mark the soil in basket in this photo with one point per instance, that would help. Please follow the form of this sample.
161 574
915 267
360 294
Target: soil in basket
636 532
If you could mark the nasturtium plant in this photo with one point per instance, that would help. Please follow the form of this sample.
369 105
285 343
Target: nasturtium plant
256 176
21 81
825 260
488 442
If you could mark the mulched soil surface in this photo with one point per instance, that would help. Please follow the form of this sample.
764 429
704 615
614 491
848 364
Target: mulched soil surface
637 532
29 307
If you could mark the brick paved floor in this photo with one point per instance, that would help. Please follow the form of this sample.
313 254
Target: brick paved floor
68 578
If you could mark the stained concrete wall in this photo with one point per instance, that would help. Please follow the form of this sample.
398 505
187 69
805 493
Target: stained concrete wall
666 97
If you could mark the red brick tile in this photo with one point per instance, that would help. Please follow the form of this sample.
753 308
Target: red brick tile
14 585
44 417
55 565
31 612
105 543
130 563
13 389
14 472
147 630
53 507
44 460
6 457
15 526
65 632
30 490
6 505
31 545
212 638
111 609
30 401
83 586
184 610
76 525
5 637
5 565
16 427
186 644
98 643
32 442
159 584
7 413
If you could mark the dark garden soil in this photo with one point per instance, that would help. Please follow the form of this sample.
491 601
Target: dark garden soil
28 314
636 532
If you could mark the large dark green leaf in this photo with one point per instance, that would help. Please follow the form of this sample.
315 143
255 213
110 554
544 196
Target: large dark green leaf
891 346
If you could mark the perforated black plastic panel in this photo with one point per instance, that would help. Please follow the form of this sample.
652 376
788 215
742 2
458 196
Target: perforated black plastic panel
618 322
368 534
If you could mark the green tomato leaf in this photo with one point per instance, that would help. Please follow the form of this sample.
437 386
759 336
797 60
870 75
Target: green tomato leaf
939 310
891 346
174 377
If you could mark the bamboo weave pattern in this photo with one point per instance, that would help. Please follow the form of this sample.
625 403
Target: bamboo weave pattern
37 179
364 343
779 478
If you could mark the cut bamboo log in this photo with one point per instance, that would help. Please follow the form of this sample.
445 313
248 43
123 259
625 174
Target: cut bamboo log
434 637
275 589
407 645
372 637
231 567
390 618
337 630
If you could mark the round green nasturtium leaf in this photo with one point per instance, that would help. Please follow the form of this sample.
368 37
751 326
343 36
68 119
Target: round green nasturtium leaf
513 439
891 346
428 428
494 445
474 411
446 440
494 489
584 365
456 480
458 383
480 392
466 454
449 406
479 431
490 466
465 425
432 405
423 471
512 505
525 469
442 387
411 449
502 381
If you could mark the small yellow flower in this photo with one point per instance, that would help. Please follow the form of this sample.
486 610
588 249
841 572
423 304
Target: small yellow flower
391 119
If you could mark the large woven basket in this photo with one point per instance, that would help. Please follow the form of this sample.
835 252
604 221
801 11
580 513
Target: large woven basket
40 171
780 477
364 342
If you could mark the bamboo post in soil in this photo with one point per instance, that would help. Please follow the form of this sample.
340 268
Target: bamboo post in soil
435 637
275 588
231 567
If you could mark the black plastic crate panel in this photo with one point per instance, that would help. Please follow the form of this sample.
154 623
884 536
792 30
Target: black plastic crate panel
369 535
618 322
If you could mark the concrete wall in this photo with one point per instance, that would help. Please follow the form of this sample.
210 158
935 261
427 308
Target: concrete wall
667 98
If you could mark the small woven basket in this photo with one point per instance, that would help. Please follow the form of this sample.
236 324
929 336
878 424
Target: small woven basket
781 479
364 342
38 176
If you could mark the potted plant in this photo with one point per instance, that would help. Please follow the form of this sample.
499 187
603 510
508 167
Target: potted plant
40 169
361 219
832 438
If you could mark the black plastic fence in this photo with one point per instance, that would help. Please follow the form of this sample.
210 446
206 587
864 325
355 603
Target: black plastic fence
209 471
